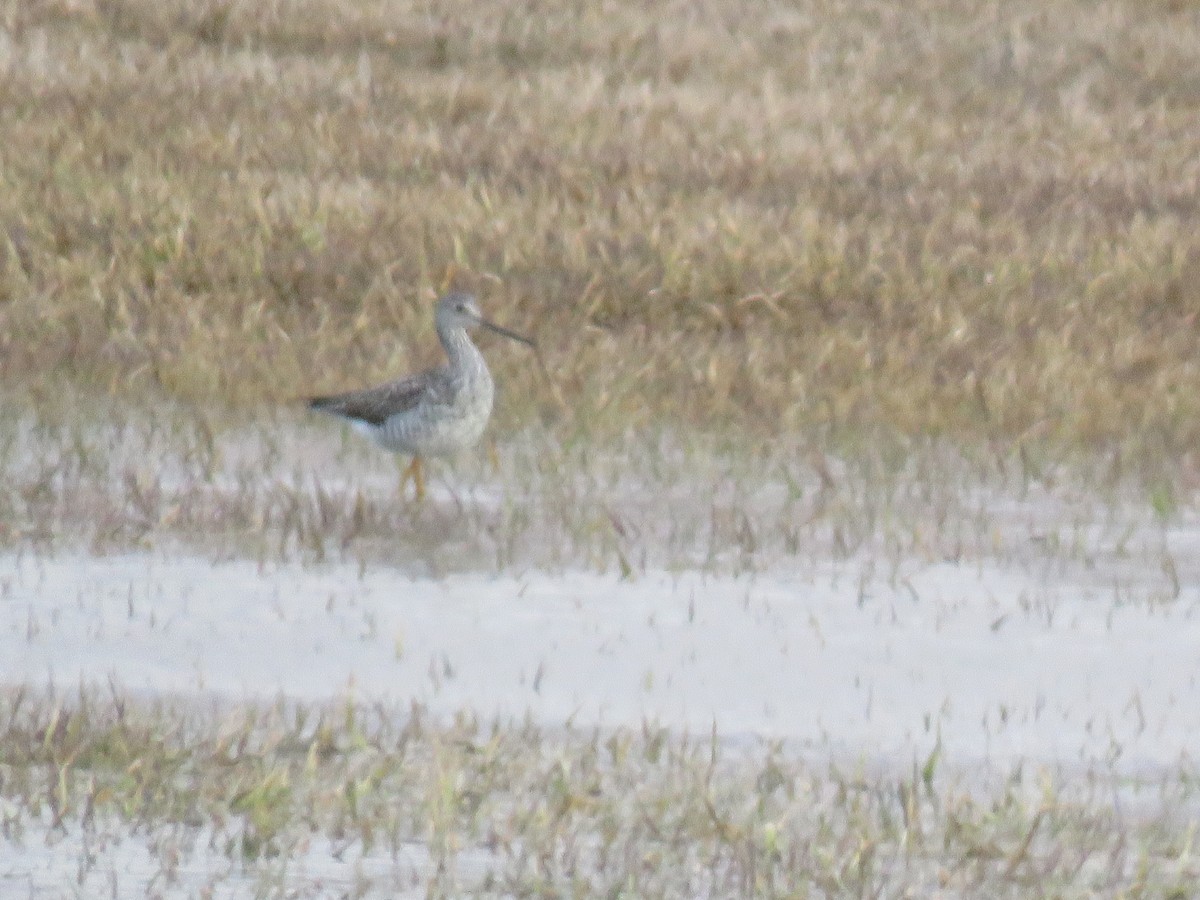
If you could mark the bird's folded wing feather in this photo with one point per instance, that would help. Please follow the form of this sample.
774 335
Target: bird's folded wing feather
376 405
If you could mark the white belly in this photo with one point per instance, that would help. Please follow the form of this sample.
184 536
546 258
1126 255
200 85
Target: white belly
439 429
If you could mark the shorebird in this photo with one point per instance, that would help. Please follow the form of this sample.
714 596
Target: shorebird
432 413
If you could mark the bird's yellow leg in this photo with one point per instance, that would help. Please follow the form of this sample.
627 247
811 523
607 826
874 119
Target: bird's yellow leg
493 456
419 479
417 475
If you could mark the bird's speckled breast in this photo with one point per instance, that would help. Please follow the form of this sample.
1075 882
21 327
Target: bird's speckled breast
450 417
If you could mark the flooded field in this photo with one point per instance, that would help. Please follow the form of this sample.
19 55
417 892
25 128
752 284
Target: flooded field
950 640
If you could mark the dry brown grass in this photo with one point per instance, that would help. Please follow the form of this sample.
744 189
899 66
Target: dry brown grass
962 218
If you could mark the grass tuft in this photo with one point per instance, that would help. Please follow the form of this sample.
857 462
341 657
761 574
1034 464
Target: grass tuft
507 807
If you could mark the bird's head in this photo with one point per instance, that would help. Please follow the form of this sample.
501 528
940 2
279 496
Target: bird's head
460 310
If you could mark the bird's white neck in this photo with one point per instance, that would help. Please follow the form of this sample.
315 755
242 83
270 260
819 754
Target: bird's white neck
460 350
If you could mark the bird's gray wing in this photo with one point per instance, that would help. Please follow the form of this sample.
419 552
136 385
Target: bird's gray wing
377 404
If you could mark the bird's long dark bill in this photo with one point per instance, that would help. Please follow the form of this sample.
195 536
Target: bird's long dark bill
508 334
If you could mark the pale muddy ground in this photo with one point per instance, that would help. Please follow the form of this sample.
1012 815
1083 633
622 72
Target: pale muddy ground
868 614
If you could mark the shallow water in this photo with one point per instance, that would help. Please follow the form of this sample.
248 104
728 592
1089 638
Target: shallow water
107 860
995 665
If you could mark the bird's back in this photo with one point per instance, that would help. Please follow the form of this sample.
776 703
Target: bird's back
433 413
374 406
